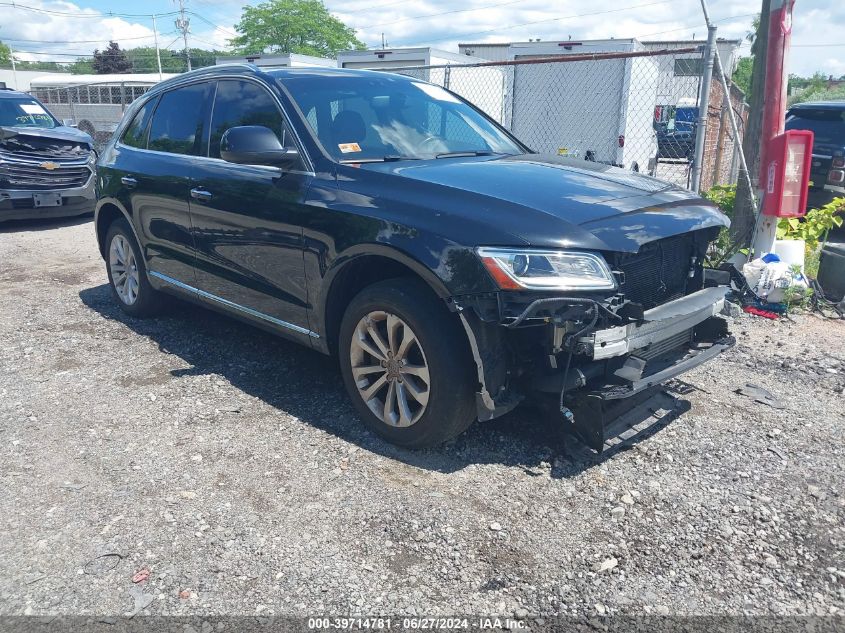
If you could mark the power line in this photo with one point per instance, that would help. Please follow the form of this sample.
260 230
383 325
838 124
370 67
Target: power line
376 6
210 23
565 17
107 14
199 39
432 15
639 37
107 39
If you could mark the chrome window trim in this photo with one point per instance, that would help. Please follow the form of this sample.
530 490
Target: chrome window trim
220 160
231 304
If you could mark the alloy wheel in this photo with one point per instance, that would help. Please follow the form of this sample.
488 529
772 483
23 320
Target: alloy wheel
390 369
124 270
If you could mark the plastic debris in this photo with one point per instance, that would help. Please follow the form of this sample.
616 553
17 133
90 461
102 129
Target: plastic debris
763 396
142 600
761 313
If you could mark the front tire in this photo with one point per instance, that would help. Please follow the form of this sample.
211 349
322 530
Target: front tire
128 273
405 364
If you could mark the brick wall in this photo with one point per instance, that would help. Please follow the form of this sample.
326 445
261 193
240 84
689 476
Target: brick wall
720 164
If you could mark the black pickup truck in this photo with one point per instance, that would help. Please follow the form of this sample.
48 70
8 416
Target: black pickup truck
826 119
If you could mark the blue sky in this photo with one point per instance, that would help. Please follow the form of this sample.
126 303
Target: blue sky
817 40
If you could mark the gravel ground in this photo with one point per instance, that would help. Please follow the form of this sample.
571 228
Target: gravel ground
226 472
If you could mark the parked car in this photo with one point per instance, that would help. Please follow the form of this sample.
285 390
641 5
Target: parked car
676 135
46 168
677 143
826 119
388 222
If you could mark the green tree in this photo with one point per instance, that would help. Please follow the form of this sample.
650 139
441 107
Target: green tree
5 55
744 66
293 26
143 59
82 66
55 67
742 74
111 60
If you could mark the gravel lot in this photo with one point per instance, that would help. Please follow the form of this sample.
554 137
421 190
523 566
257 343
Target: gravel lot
229 465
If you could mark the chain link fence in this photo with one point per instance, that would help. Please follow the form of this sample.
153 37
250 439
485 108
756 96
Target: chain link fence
95 108
638 110
635 110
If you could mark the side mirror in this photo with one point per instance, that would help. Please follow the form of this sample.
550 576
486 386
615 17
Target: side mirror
255 145
68 122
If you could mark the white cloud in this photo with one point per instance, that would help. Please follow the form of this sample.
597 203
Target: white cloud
51 35
816 21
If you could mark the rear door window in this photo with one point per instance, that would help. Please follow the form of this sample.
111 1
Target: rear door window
177 124
136 133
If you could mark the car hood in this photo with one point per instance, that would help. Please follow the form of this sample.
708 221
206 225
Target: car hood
60 133
552 201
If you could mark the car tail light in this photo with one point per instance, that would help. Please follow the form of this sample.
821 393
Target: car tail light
838 162
836 177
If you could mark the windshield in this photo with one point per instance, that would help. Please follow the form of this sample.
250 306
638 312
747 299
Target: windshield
25 112
828 126
389 117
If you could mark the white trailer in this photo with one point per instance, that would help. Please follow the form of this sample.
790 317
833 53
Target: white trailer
484 87
94 103
599 110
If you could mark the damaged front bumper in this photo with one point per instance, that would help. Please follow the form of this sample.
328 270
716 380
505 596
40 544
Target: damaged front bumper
605 363
36 188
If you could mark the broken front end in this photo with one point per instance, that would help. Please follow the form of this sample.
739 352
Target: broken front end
46 173
593 329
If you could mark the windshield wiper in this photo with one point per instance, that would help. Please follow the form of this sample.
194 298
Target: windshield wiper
390 158
468 152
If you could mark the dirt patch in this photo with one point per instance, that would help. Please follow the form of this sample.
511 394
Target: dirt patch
231 465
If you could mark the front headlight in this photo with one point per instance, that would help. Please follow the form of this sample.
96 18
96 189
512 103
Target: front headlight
527 269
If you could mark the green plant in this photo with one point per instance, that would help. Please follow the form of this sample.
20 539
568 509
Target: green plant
796 295
724 197
813 227
812 262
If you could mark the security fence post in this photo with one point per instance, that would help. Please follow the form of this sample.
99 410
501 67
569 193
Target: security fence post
703 109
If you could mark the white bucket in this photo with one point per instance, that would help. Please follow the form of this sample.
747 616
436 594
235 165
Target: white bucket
791 251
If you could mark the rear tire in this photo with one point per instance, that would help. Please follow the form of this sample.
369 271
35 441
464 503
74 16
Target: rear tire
405 364
128 273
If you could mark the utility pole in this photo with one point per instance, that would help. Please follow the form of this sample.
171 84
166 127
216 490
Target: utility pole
183 24
158 52
742 225
779 26
14 68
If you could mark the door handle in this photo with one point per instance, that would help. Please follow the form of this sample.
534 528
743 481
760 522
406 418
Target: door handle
129 182
201 194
